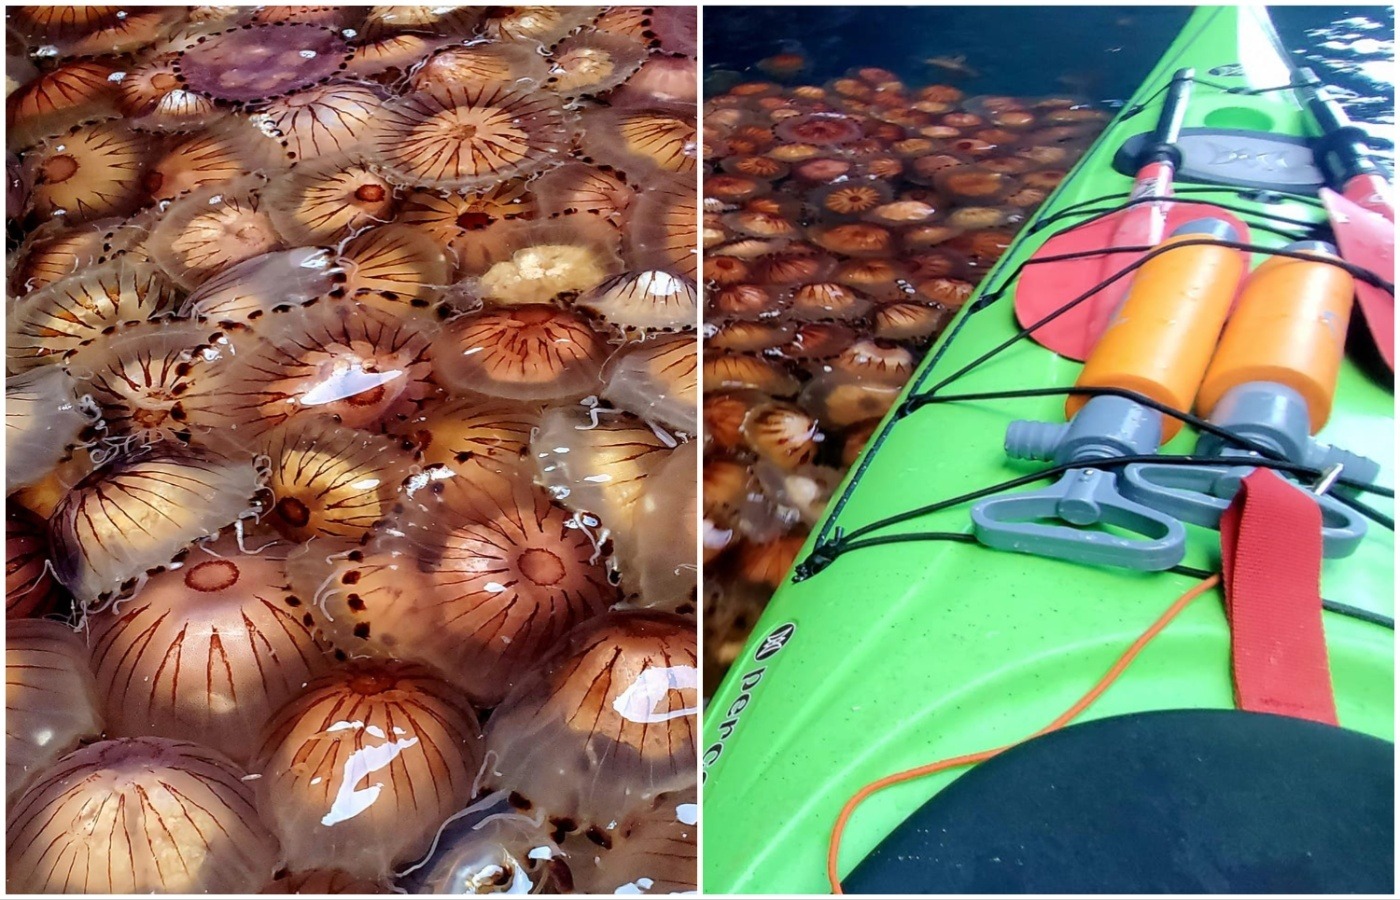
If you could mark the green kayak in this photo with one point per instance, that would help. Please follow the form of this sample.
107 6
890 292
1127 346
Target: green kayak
909 646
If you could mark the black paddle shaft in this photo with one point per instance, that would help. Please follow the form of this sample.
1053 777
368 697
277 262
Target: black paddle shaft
1345 153
1162 147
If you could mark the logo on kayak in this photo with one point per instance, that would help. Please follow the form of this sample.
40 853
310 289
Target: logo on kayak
748 683
775 641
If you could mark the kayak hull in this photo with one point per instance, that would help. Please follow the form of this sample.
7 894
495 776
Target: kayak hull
900 654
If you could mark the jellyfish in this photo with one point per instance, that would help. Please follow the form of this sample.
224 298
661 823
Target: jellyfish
664 236
579 187
491 847
470 434
598 467
478 65
730 371
652 300
396 259
43 418
325 881
136 512
322 121
361 768
30 589
220 154
659 559
244 293
527 352
641 142
466 137
541 261
212 228
51 700
782 434
657 380
652 852
593 63
323 200
55 101
216 684
259 62
605 723
138 815
91 171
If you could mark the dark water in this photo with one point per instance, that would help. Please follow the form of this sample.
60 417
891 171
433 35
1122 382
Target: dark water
1099 53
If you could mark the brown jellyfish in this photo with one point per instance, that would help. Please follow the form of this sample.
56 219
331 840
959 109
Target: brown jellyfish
135 513
243 293
657 380
91 171
390 58
323 200
326 881
641 142
475 435
30 589
761 223
51 324
54 251
731 371
782 434
542 261
127 30
723 414
593 63
450 21
216 683
260 62
880 278
823 170
468 137
748 302
822 129
746 336
329 481
826 300
818 340
528 352
488 576
768 563
43 418
578 187
479 65
361 768
676 29
617 699
534 24
795 267
322 121
56 101
725 270
139 815
50 699
396 258
644 301
597 461
665 220
858 239
357 364
212 228
153 99
662 80
658 559
909 321
839 400
876 360
653 851
148 379
848 199
950 292
491 848
735 188
795 153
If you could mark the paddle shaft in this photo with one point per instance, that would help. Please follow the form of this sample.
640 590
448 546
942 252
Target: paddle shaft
1345 155
1145 224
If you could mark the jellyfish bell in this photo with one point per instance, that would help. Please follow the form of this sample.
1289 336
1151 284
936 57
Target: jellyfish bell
259 62
52 102
468 137
43 418
30 589
593 62
491 847
658 561
598 462
782 434
153 99
323 200
617 699
641 142
746 336
212 228
472 433
139 815
361 768
135 513
653 300
527 352
50 699
653 851
664 224
827 300
398 259
92 171
579 187
662 80
479 64
242 294
657 380
541 261
219 683
329 481
322 121
908 320
745 371
325 881
543 25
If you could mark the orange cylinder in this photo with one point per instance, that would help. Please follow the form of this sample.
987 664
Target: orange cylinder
1289 327
1161 340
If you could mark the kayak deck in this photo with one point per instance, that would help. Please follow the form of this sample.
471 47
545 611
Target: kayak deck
903 653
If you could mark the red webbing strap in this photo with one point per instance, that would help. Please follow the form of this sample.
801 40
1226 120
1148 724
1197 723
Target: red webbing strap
1271 548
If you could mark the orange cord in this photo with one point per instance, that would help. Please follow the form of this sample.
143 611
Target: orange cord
834 849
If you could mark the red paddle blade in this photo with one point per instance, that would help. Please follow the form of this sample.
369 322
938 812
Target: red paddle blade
1046 287
1371 192
1367 239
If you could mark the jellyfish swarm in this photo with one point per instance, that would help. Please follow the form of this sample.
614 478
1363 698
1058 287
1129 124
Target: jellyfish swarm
138 815
606 722
361 768
216 682
50 699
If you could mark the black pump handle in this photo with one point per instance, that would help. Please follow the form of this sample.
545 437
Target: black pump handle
1162 147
